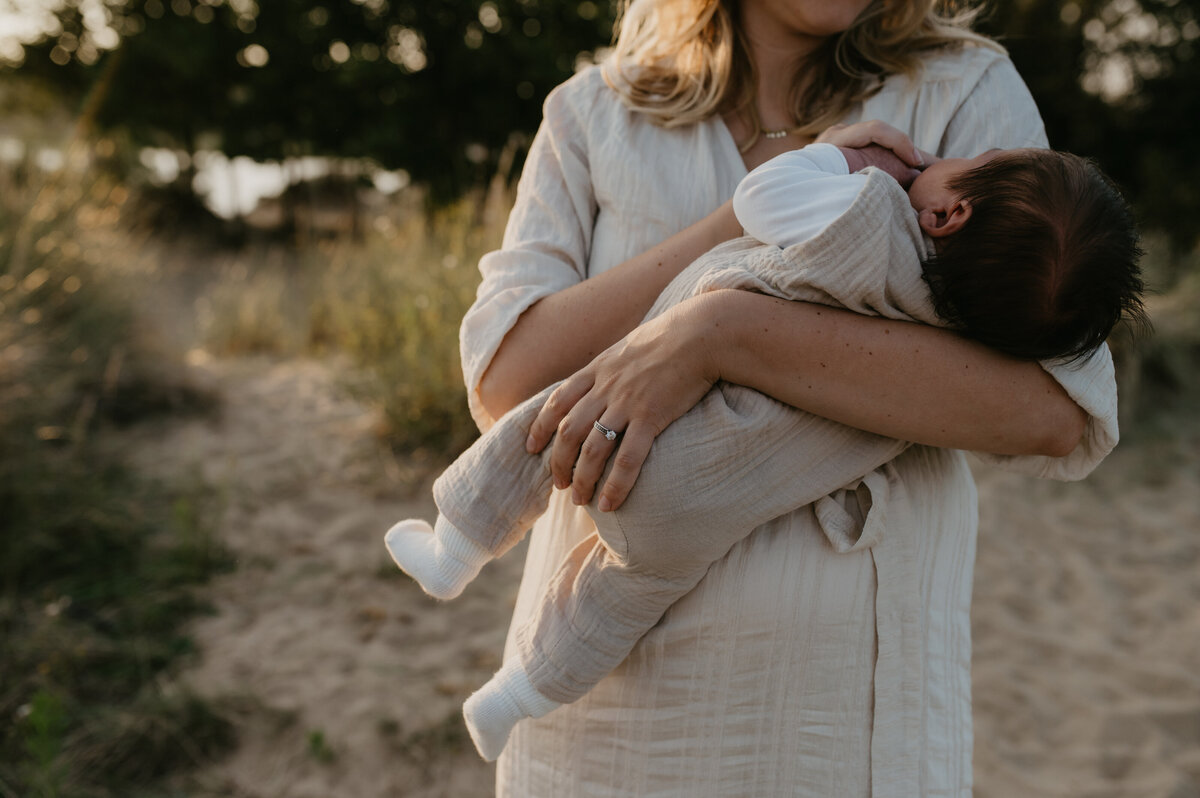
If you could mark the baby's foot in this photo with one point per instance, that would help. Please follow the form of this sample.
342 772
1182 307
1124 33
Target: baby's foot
443 561
493 710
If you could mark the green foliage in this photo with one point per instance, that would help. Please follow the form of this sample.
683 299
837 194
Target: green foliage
436 87
318 747
1117 81
46 725
96 567
440 87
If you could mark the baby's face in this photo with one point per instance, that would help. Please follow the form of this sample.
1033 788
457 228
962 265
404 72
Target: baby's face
931 188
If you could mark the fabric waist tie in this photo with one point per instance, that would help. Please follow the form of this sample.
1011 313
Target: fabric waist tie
899 678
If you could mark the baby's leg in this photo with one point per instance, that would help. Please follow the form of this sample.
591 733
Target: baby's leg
486 500
522 689
736 461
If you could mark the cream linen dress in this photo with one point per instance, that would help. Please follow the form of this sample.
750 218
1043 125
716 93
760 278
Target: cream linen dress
778 674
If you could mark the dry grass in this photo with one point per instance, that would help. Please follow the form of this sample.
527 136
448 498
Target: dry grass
391 300
96 566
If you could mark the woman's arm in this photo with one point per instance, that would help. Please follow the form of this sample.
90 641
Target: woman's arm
563 332
915 383
902 380
859 371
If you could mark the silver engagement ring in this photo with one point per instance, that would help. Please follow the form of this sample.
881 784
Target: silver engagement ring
611 434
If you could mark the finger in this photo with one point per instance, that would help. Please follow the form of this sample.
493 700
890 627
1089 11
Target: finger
831 134
593 456
557 405
627 464
864 134
897 141
568 439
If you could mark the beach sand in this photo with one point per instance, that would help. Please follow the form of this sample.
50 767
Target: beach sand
344 679
1086 623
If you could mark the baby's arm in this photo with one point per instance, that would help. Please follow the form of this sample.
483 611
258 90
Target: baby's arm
793 197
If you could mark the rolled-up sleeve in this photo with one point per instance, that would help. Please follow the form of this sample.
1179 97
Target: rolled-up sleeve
546 242
794 196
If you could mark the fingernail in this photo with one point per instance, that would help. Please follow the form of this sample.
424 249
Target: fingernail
605 505
530 445
560 484
576 498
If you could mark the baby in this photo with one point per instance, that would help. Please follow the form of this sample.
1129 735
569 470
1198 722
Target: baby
1031 252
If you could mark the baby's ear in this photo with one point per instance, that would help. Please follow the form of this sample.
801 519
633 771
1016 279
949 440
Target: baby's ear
941 222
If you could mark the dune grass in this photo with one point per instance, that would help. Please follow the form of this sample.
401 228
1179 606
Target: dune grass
390 301
97 566
394 304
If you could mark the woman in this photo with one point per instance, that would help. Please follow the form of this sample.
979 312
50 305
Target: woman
778 674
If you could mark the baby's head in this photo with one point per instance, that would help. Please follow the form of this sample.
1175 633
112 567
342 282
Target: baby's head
1036 251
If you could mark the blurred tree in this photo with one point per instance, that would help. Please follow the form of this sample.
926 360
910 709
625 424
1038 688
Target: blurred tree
1119 81
438 87
434 87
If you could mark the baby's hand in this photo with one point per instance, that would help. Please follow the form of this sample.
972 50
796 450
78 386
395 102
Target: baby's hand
876 144
883 158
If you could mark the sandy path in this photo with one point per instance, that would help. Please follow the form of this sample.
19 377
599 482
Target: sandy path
343 677
345 680
1087 628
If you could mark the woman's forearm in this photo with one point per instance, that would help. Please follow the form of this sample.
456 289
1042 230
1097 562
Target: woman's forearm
903 380
562 332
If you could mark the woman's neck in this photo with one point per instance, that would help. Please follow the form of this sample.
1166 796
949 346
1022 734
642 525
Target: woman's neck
776 53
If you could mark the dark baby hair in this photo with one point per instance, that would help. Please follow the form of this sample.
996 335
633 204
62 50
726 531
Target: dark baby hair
1046 265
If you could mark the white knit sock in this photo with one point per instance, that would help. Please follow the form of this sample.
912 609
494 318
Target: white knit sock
494 709
442 559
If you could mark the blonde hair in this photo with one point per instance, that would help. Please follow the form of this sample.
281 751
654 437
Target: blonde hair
682 61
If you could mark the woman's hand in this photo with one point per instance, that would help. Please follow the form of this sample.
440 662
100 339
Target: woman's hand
877 144
562 332
636 387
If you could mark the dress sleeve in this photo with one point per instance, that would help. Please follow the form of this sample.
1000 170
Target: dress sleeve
546 242
999 112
